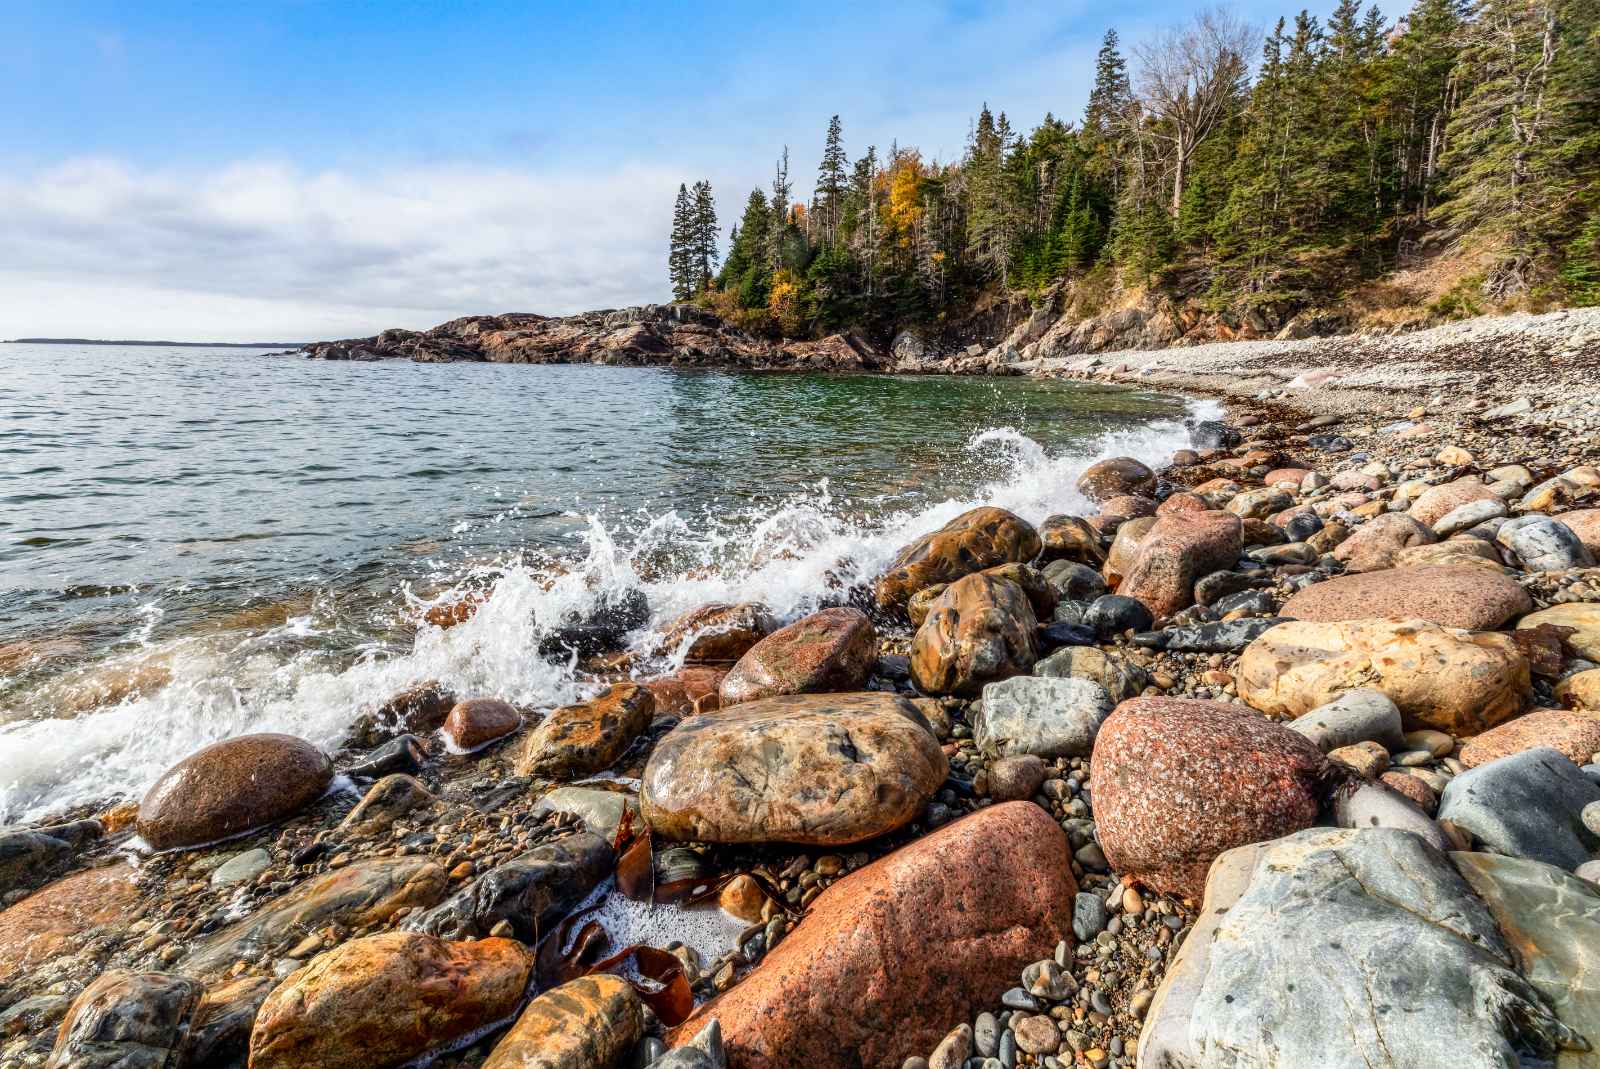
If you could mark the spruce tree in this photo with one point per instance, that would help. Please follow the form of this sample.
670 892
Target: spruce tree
1107 112
828 200
680 247
704 236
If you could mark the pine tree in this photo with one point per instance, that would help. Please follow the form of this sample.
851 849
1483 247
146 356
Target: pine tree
828 200
1106 116
704 236
680 248
778 227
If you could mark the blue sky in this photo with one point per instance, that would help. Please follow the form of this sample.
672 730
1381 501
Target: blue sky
300 169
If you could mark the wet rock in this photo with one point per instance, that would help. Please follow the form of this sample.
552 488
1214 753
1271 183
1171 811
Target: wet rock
980 630
1177 782
1119 510
1259 504
717 634
1226 636
1451 680
402 754
1181 548
1115 477
29 857
1031 581
1542 544
1041 716
241 867
589 737
891 954
387 999
1073 581
829 651
532 892
1584 619
359 895
477 722
419 710
1374 545
603 626
1574 735
1119 678
1358 715
1125 549
220 1035
232 787
1439 501
57 917
975 540
691 689
1418 958
389 799
1069 538
1112 614
1529 804
127 1020
817 769
583 1024
1463 596
35 1016
1016 778
600 810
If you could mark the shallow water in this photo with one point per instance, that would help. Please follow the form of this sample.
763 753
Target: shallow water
199 543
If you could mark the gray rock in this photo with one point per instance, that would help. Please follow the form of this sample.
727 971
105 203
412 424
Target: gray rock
1073 581
241 867
1374 805
704 1051
533 892
1290 553
128 1020
1355 716
1043 716
1120 679
1344 949
1089 916
1469 515
1529 804
1214 587
1543 544
952 1051
1510 408
1227 636
986 1034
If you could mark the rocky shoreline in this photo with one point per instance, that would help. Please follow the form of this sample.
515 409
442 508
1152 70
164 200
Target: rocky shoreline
1285 756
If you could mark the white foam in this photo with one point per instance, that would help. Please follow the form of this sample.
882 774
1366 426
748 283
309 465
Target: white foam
792 557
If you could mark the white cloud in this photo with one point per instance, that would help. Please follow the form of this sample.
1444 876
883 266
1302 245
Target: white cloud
262 250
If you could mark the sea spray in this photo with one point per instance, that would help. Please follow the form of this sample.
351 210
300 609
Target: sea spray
793 555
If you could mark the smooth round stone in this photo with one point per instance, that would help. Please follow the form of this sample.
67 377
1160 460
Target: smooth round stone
241 867
1589 870
986 1034
1018 999
1037 1035
1437 743
1413 758
1591 817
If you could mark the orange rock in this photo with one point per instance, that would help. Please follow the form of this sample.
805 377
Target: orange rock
717 634
1574 733
691 689
230 787
577 740
50 921
479 721
830 650
586 1023
973 541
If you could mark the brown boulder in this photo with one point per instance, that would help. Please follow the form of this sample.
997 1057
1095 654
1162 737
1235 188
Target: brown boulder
479 721
1456 681
581 739
54 918
691 689
1465 596
889 956
1575 734
980 630
387 999
973 541
1372 546
1179 549
127 1020
1177 782
592 1022
1436 502
830 650
1071 538
1183 501
1120 509
418 709
232 787
717 634
822 769
1116 477
1125 548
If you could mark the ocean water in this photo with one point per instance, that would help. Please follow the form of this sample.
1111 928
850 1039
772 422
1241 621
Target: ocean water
199 543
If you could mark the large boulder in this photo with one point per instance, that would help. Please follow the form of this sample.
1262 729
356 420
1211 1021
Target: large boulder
1345 949
1436 502
360 895
232 787
1374 545
1467 596
533 892
890 955
579 740
1582 617
1575 735
979 630
587 1023
973 541
1116 477
56 918
1440 678
1177 782
830 650
823 769
717 634
127 1020
1041 716
1529 804
387 999
1125 547
1179 549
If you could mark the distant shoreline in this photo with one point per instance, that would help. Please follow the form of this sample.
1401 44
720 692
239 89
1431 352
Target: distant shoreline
173 344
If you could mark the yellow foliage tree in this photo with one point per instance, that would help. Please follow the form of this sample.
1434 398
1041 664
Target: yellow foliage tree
905 196
783 303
